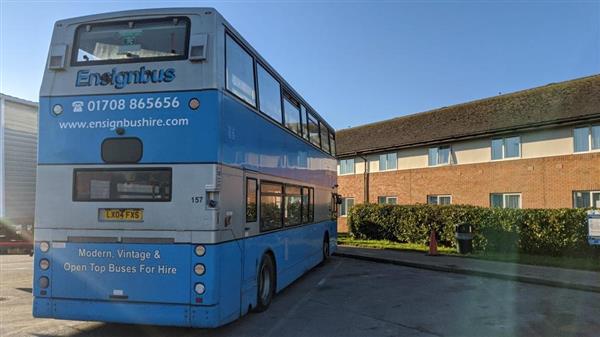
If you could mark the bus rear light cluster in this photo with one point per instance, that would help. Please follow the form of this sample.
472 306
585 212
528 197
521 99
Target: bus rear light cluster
44 246
194 103
199 288
44 264
44 282
200 250
199 269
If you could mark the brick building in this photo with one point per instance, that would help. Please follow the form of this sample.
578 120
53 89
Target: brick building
537 148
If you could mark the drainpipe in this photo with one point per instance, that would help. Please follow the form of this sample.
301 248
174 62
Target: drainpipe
365 179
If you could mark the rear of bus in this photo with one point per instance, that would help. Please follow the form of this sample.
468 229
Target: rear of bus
127 183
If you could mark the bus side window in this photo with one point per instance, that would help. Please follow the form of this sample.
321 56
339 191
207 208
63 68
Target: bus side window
305 205
239 72
251 196
271 208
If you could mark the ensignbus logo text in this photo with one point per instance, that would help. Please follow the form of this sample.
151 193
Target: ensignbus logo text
121 79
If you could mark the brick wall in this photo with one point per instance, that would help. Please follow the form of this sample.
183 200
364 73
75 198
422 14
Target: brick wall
543 182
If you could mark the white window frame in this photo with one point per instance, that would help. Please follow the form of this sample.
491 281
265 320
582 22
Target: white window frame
346 209
590 139
353 167
387 200
437 149
438 196
591 192
505 195
504 149
387 160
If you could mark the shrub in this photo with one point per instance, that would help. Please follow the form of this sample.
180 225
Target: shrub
532 231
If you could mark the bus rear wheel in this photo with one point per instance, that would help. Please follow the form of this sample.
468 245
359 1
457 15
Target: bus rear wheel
266 283
325 250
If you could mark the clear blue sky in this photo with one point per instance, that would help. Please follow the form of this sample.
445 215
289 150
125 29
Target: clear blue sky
359 62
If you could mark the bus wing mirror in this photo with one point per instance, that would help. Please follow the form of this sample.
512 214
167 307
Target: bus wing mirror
338 199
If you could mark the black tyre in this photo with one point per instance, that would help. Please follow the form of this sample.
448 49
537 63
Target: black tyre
266 283
325 250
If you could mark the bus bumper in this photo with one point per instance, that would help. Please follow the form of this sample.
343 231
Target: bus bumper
130 313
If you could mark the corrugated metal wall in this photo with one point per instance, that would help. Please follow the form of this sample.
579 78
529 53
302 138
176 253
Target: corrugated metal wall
19 162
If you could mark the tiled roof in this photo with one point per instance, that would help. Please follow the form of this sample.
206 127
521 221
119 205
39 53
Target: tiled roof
564 102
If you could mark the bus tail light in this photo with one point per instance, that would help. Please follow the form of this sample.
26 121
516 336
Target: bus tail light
44 282
199 288
44 246
200 250
194 103
44 264
199 269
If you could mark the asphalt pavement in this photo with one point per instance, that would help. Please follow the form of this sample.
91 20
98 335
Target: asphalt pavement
349 297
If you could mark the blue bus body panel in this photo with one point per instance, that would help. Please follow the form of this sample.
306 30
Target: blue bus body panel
251 141
167 300
75 137
221 131
160 273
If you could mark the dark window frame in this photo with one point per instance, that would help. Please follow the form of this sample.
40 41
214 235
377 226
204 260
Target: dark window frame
74 183
75 63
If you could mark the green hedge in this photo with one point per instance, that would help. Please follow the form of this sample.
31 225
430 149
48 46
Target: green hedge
533 231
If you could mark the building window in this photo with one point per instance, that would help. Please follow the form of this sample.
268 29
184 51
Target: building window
270 94
439 199
251 197
346 205
292 115
509 147
347 166
586 138
505 200
387 200
239 72
292 212
388 161
271 197
586 199
439 155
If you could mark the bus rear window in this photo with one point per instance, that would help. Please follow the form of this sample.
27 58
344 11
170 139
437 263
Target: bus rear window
131 41
122 185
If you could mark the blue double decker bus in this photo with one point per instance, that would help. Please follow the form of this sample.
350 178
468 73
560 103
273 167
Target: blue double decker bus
181 180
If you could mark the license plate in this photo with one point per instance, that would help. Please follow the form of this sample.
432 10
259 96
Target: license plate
121 214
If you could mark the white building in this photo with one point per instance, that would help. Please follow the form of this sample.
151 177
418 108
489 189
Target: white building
18 159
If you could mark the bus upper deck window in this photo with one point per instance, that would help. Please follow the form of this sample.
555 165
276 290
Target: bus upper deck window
131 41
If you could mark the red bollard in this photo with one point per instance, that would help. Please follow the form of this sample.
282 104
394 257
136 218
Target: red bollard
432 244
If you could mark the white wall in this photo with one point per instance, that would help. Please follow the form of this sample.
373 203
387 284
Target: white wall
534 144
19 161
